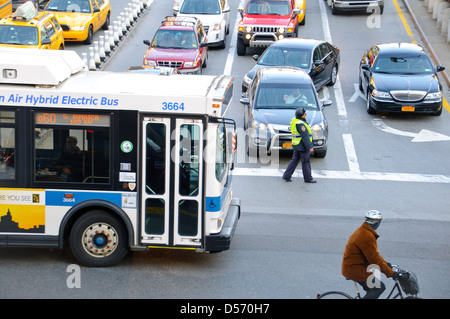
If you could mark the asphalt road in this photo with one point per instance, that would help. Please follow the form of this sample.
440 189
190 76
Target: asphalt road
291 236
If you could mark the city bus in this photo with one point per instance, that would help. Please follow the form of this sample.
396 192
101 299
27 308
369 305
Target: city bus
5 8
107 162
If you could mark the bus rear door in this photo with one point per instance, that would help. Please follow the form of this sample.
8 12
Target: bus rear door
172 182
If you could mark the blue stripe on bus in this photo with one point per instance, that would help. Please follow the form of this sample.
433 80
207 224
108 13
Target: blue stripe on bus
70 198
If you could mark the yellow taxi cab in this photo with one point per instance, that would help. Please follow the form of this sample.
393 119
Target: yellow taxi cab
28 28
301 4
5 8
81 18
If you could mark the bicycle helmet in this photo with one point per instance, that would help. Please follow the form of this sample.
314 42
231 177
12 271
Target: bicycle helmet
299 112
373 218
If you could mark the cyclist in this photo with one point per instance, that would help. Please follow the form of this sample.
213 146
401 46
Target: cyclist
361 254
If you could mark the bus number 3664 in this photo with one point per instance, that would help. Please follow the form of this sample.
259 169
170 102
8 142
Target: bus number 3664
172 106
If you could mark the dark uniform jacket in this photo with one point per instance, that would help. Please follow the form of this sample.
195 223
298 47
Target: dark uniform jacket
361 251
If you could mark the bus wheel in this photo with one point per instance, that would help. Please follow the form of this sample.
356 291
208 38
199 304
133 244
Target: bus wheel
98 239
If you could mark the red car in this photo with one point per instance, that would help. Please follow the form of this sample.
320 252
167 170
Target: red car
266 21
179 42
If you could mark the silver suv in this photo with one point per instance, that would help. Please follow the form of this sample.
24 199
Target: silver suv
376 6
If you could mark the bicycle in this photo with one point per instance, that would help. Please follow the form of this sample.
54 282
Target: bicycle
405 287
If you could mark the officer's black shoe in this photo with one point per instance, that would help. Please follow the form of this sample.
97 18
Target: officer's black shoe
311 181
286 179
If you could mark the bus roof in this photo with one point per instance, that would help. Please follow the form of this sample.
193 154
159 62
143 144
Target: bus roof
52 78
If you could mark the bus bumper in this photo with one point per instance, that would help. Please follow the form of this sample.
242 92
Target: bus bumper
222 240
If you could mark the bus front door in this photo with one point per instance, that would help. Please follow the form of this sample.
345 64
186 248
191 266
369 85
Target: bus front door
172 182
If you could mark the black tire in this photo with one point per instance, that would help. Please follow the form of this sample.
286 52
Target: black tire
98 239
240 47
369 108
333 76
107 22
90 36
334 295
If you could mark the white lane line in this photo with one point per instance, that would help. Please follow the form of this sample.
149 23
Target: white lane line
369 176
340 104
232 48
351 153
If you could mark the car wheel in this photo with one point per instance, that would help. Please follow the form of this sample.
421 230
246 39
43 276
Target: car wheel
320 153
334 11
240 48
333 76
304 20
90 36
369 108
107 22
205 62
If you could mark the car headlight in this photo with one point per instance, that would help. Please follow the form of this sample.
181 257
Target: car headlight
149 62
381 94
78 28
281 30
318 127
258 125
434 96
216 27
191 64
248 29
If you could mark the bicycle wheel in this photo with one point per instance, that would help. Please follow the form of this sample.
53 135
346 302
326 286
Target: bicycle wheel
334 295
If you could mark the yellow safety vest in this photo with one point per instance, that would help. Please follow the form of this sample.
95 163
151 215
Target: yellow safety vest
296 135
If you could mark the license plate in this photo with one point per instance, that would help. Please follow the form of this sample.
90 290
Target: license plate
408 108
287 145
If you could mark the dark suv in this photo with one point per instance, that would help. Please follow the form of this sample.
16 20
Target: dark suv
270 103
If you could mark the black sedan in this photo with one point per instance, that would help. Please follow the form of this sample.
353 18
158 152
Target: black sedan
318 58
399 77
270 104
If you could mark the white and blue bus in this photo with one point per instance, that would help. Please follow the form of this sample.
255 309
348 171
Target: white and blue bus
113 161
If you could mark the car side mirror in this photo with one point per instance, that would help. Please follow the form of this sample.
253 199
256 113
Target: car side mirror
440 68
203 44
146 42
244 99
47 41
96 10
255 57
365 67
326 103
295 12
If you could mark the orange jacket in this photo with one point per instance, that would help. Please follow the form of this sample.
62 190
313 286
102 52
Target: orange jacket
361 251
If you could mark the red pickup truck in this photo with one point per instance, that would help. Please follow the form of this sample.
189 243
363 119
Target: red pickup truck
266 21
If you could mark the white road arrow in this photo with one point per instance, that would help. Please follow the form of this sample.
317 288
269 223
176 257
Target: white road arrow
422 136
357 94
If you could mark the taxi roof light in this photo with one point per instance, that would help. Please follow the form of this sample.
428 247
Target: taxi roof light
25 12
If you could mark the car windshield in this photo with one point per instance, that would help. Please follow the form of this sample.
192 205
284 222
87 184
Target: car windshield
299 58
398 64
82 6
174 39
285 96
18 35
200 7
268 7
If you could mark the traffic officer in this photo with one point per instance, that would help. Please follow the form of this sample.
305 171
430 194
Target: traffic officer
302 145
